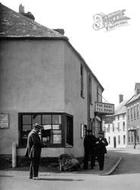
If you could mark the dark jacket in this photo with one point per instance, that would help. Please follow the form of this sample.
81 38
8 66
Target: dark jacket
101 144
89 143
33 149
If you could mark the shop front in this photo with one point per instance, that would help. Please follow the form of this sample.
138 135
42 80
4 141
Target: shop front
57 129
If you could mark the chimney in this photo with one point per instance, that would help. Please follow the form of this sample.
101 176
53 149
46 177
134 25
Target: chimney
137 88
21 9
28 14
120 98
60 30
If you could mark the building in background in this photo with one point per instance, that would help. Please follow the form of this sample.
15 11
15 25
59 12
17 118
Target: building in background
44 79
115 126
133 118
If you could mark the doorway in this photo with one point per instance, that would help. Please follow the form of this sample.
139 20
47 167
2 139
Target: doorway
114 142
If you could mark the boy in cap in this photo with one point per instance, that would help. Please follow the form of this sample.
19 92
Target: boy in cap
33 150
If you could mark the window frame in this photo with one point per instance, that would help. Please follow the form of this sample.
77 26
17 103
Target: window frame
82 80
63 127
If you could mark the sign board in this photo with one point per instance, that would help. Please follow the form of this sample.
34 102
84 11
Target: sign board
4 121
104 108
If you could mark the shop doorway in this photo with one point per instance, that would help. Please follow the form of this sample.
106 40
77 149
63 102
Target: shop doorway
114 142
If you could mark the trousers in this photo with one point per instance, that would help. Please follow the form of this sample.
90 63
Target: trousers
34 167
89 156
100 158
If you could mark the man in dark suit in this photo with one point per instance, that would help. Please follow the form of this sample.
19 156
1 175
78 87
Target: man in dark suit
101 144
89 149
33 150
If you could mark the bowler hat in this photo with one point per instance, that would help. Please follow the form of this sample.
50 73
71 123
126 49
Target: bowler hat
37 126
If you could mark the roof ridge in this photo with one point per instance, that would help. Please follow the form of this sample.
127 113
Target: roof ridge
22 21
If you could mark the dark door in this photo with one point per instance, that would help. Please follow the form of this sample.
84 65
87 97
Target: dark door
114 142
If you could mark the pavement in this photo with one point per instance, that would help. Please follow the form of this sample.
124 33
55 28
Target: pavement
111 163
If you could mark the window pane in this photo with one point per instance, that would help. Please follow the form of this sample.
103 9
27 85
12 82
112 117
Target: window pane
56 126
56 119
57 139
26 119
26 127
46 119
36 118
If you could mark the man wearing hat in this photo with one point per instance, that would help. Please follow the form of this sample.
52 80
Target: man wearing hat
89 149
33 150
101 144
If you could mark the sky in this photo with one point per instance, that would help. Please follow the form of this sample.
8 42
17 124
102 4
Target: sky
113 56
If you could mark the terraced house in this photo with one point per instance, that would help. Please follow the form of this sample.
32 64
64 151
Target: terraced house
44 79
115 126
133 118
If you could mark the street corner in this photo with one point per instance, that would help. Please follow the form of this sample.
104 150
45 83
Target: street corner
111 163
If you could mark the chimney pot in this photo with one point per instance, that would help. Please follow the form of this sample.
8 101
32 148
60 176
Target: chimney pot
60 30
21 9
120 98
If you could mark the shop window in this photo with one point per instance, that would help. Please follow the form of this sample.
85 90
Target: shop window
53 128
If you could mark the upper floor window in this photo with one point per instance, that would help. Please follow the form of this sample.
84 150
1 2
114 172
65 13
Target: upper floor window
108 140
131 113
113 127
134 112
118 126
123 125
128 115
137 111
108 128
99 95
90 89
82 80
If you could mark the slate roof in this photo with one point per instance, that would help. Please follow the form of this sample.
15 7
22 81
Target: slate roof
13 24
133 99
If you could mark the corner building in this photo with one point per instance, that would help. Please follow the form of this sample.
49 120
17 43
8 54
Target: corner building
43 79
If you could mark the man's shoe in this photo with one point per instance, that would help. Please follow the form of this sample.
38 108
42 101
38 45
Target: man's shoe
35 178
